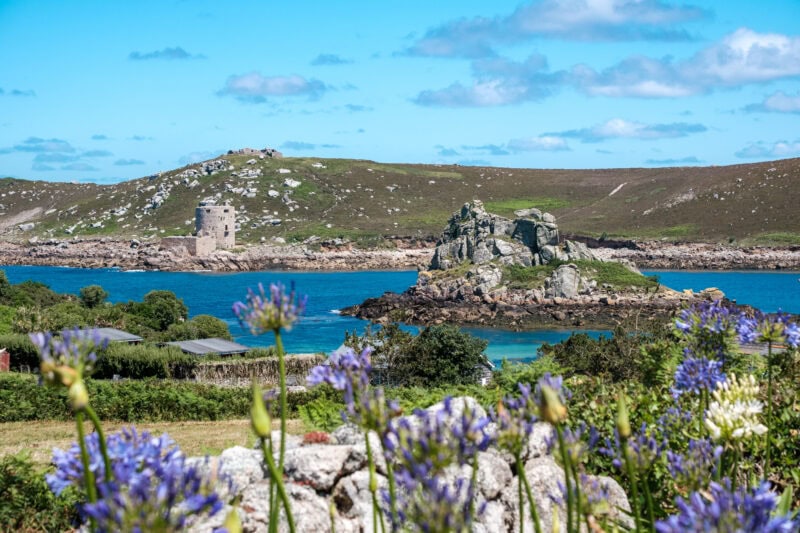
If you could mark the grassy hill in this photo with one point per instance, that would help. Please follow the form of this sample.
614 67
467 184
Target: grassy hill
365 201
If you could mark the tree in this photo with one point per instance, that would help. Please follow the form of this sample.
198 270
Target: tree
163 308
93 296
441 355
199 327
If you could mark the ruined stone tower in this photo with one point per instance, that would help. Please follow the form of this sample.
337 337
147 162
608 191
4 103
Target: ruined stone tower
218 221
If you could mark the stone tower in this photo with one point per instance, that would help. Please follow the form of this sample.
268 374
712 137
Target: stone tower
218 221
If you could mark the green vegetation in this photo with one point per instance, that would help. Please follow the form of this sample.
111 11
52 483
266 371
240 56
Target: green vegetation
778 238
507 207
28 504
610 273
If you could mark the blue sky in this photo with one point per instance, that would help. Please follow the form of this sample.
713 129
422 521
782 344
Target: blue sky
106 91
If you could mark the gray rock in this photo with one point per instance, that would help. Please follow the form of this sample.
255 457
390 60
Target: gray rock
577 251
353 499
564 282
544 476
27 226
319 467
546 234
494 475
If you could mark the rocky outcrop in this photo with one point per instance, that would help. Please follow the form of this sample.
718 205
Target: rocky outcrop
473 235
471 280
321 477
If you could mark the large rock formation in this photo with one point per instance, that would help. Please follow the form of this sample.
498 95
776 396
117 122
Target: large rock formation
479 237
321 477
474 278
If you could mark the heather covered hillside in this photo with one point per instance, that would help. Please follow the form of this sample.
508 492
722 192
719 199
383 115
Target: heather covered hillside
366 202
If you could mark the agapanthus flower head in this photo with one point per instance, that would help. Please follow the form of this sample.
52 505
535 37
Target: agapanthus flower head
643 448
721 509
697 374
696 467
153 489
515 417
579 442
68 357
775 329
708 327
551 397
673 422
347 371
269 311
733 413
436 505
593 493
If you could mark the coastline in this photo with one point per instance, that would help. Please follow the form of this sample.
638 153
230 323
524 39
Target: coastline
132 255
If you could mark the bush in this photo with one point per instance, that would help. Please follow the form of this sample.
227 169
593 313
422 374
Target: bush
510 373
199 327
28 504
23 352
93 296
7 317
143 361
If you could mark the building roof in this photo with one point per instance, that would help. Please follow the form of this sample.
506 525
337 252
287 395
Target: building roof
117 335
210 346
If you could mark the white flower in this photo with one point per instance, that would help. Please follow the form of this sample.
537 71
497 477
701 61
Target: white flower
733 415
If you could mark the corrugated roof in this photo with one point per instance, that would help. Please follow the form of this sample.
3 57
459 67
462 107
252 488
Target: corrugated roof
117 335
210 346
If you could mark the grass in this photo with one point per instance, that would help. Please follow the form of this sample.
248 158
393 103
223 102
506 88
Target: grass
507 207
610 273
194 438
781 238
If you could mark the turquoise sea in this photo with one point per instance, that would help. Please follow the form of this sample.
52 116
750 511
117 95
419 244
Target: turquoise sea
322 329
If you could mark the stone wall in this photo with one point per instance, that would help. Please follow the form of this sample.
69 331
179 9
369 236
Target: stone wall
196 246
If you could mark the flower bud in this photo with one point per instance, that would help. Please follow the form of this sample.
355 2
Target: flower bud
552 410
232 522
48 371
623 422
67 375
259 417
78 395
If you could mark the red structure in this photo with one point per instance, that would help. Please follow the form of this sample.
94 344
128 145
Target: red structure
5 360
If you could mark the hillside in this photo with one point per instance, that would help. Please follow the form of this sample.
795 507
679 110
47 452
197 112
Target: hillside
364 201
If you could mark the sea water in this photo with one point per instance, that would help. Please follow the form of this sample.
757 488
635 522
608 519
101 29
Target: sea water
322 329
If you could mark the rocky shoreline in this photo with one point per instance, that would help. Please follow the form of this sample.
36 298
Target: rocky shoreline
133 255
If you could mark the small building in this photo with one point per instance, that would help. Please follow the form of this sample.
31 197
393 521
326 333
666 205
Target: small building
212 346
117 335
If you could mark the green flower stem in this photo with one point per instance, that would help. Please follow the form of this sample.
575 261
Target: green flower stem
474 485
273 498
520 475
769 410
282 372
373 487
579 513
277 479
392 491
88 476
634 489
649 499
565 463
534 513
102 439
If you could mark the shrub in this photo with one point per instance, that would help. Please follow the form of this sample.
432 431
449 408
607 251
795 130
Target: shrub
28 504
143 361
22 351
93 296
510 373
7 316
199 327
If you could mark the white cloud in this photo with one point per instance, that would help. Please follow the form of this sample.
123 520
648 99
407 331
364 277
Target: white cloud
762 150
778 102
543 143
254 87
618 128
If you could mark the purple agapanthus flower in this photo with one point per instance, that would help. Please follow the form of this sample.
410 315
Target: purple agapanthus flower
273 311
153 488
707 327
347 371
643 447
73 352
760 327
515 418
695 468
721 509
697 374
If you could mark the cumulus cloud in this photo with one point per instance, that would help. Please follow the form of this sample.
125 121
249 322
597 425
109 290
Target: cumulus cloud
176 53
763 150
255 88
54 157
443 151
777 102
543 143
140 138
80 167
691 160
330 59
497 82
37 144
97 153
489 149
17 92
356 108
741 57
574 20
128 162
99 137
617 128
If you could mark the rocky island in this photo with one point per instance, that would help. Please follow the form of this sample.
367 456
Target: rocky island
488 269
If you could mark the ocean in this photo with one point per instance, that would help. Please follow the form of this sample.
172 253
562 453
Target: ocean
322 329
